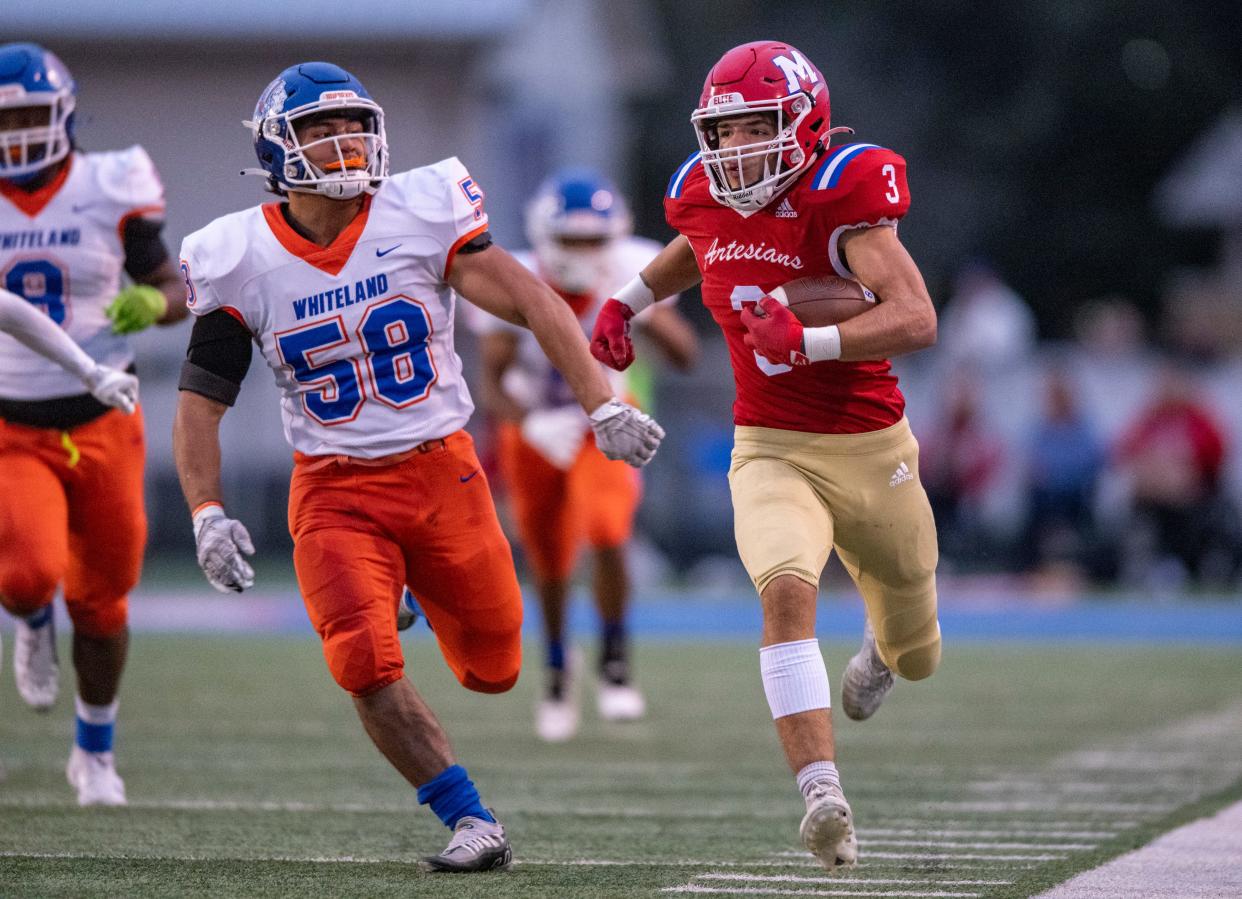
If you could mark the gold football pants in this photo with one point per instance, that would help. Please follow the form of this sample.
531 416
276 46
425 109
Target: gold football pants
798 495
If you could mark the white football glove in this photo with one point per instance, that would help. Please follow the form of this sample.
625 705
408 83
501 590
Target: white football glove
113 388
623 432
221 542
556 434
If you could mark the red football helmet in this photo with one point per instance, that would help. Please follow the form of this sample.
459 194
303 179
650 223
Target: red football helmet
765 77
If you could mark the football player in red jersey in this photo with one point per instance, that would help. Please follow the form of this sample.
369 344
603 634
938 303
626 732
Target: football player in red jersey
823 455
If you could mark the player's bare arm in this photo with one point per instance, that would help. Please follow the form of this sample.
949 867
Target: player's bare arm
221 541
496 282
673 270
904 320
498 351
196 447
672 335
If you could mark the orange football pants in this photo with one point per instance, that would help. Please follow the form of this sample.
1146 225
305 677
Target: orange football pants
424 518
71 511
557 510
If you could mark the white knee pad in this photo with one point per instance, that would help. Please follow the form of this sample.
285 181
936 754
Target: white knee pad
794 677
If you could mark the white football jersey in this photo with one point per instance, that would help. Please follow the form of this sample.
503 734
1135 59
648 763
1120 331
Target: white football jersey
61 249
532 381
358 334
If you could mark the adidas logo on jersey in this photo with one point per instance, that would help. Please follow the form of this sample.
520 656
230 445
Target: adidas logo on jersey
901 475
786 210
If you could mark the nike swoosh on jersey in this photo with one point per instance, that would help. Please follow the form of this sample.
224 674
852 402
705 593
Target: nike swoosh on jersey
465 477
382 253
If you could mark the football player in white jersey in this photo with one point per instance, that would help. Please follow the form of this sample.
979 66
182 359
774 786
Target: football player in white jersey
348 287
564 492
71 506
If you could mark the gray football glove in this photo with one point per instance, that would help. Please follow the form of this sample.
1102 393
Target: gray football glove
623 432
221 542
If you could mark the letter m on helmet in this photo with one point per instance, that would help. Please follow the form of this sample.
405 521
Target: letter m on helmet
796 70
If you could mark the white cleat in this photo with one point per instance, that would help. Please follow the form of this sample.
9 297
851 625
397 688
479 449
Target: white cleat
35 665
867 680
558 714
620 702
93 775
477 845
827 829
556 720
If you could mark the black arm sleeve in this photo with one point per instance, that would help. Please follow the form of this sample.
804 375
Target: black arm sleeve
482 242
218 357
144 248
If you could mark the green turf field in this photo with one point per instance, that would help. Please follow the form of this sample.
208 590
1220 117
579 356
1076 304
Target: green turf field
248 775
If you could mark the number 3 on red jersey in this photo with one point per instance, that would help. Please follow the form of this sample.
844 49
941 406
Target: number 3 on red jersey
749 293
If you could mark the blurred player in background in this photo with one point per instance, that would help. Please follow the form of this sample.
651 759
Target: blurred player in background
565 493
348 288
71 507
823 455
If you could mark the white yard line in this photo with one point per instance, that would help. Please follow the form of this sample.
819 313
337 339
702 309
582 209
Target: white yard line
841 879
1052 805
777 891
947 856
990 844
878 832
1200 860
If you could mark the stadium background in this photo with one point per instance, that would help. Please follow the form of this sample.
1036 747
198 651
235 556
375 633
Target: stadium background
1087 155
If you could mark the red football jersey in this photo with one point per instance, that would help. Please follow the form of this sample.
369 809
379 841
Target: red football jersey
795 236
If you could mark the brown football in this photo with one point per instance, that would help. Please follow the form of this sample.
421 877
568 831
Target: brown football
824 300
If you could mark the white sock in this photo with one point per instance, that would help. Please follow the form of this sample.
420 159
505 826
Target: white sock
818 771
794 677
96 714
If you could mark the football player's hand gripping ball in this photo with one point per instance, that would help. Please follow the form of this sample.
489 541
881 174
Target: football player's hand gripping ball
135 308
113 388
221 542
774 333
622 432
610 339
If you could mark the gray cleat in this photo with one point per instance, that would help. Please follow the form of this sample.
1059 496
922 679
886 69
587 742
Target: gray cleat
477 845
867 680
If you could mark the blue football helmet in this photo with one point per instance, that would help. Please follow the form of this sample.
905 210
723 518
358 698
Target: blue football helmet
571 223
318 89
34 79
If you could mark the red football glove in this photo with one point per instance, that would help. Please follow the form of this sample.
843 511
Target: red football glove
774 333
610 339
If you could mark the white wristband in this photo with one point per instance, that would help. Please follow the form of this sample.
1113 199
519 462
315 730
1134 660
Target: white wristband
822 344
637 295
208 511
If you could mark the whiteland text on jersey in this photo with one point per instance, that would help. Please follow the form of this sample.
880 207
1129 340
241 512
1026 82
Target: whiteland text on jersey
340 297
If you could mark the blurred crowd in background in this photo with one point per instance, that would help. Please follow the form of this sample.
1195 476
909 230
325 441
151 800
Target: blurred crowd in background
1076 173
